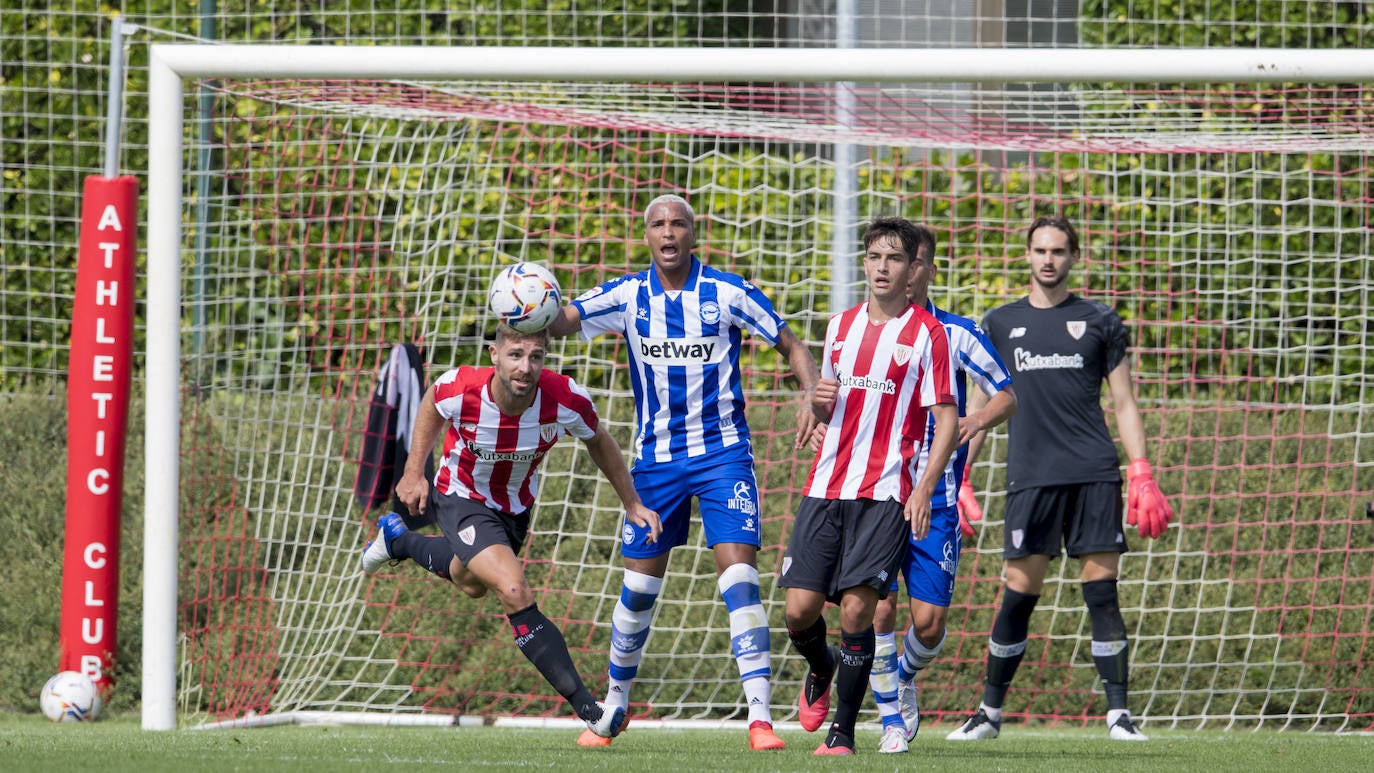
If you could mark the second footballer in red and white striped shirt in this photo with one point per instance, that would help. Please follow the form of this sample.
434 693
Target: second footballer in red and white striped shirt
886 364
493 457
501 421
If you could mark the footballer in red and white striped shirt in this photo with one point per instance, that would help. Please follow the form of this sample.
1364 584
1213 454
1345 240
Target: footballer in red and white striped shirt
886 363
889 374
502 421
493 457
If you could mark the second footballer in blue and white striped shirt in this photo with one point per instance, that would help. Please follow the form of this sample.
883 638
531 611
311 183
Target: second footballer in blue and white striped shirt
683 324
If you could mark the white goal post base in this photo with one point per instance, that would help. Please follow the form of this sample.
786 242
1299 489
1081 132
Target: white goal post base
345 718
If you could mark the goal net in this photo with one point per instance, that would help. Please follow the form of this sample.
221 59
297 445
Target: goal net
328 220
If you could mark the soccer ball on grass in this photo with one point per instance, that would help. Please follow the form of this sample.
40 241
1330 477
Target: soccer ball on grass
70 696
525 296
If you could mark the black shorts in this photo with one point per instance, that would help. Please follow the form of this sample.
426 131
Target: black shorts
838 544
1085 517
472 527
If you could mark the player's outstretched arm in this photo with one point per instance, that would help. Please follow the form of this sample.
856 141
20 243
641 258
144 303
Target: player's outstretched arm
917 506
413 489
990 413
606 453
1146 507
984 414
976 402
803 366
568 321
823 398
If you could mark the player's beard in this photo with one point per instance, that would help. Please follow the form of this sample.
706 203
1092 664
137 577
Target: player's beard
521 393
1046 284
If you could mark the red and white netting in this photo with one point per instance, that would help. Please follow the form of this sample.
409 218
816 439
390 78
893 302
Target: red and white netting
1228 225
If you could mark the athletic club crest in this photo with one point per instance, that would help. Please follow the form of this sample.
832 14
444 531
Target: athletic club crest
1077 328
901 354
548 432
468 534
1018 536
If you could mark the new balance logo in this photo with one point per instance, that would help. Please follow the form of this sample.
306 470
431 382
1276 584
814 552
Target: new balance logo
1016 332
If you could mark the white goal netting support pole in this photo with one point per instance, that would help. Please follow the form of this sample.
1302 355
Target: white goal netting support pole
171 66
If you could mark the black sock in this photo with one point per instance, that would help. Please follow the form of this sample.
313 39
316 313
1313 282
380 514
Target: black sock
1111 651
1008 644
838 737
542 643
432 553
810 644
851 679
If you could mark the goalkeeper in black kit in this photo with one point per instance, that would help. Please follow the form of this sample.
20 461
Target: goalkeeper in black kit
1063 472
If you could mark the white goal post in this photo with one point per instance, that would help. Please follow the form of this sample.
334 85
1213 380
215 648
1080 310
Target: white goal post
171 66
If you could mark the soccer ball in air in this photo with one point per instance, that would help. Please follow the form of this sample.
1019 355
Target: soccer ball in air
70 696
525 296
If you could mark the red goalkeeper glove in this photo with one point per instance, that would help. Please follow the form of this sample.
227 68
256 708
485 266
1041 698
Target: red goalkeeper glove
969 511
1146 507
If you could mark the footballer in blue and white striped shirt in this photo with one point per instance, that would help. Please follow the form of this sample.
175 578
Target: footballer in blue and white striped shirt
683 324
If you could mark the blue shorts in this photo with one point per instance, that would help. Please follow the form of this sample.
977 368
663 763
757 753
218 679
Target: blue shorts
932 563
727 498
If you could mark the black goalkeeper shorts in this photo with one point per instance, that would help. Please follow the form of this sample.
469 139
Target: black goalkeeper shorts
1084 517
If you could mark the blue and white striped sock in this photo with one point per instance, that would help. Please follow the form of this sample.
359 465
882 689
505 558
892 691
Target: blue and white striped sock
629 631
883 679
915 655
739 586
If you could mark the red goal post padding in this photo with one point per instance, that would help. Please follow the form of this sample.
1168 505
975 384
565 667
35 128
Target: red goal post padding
97 418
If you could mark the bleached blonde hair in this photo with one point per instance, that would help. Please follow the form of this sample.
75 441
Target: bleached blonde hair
671 198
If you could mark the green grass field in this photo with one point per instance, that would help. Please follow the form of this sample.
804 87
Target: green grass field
113 745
